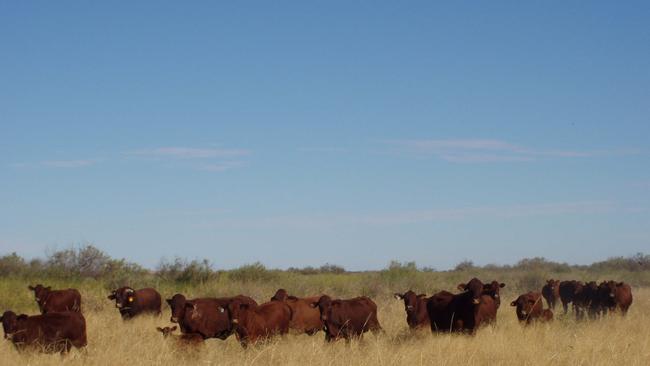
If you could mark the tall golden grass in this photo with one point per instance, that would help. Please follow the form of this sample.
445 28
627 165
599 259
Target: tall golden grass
613 340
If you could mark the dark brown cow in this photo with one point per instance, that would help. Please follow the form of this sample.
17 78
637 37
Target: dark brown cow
615 295
304 318
493 289
464 312
588 301
416 309
530 308
50 301
49 332
183 339
347 318
551 292
569 291
255 323
202 316
132 302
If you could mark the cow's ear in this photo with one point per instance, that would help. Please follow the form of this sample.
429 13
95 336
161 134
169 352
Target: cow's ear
32 288
620 284
160 329
48 288
462 286
514 303
502 285
173 328
314 304
169 302
111 296
22 317
398 296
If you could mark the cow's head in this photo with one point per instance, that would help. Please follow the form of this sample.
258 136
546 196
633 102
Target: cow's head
325 305
411 300
607 291
10 322
525 304
493 289
40 293
552 284
474 287
236 310
280 295
178 305
166 331
124 297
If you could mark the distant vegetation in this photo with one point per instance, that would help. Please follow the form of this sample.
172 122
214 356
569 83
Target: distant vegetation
88 263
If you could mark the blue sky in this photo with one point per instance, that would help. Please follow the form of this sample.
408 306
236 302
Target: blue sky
346 132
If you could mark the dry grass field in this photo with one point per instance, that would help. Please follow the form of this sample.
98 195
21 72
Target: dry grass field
609 341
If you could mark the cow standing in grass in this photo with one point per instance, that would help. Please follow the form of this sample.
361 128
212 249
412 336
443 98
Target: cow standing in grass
132 302
49 332
50 301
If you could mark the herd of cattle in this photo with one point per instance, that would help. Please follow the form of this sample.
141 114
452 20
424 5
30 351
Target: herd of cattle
61 324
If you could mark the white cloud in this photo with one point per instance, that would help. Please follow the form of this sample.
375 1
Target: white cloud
190 153
68 163
486 150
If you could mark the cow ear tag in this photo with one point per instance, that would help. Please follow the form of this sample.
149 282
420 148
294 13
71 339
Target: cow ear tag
130 299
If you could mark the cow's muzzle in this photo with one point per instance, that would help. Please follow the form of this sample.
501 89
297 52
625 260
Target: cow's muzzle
476 301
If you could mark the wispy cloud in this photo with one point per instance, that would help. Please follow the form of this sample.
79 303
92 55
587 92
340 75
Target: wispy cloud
68 163
220 167
205 159
309 221
487 150
189 152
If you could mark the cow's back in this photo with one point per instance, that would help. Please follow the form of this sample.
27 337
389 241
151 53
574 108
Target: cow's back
149 300
61 301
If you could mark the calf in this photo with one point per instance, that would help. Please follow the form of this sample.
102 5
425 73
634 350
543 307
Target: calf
49 300
304 318
615 295
254 323
551 292
132 302
416 309
50 332
202 316
183 339
530 308
347 318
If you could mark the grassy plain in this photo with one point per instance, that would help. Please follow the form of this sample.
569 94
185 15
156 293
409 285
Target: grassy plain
609 341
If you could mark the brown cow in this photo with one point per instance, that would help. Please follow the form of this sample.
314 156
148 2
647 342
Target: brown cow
464 312
202 315
551 292
49 332
183 339
569 291
50 301
304 318
530 308
132 302
615 295
493 289
255 323
347 318
416 309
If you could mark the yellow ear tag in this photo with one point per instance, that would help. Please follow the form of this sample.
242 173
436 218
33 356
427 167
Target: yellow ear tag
130 299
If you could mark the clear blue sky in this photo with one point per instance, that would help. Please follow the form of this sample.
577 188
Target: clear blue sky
344 132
